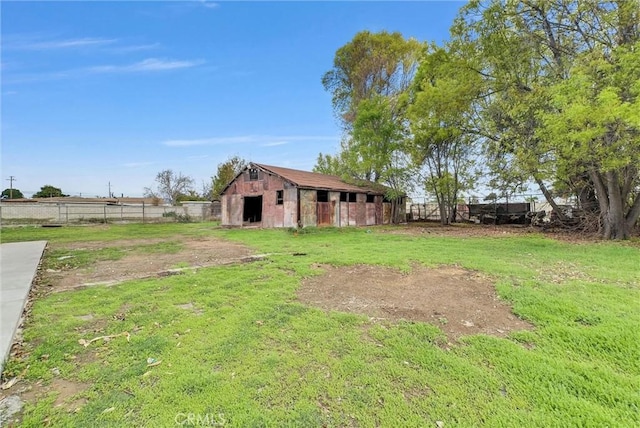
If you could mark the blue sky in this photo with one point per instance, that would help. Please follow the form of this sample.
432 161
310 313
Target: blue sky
99 92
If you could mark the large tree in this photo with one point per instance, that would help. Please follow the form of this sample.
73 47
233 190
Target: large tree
49 191
370 65
226 172
170 186
441 147
560 97
12 194
368 82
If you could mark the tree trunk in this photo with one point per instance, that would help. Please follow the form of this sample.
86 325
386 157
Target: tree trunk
615 215
614 223
549 198
442 207
634 214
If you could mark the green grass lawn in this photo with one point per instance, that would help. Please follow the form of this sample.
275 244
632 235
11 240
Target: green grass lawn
235 347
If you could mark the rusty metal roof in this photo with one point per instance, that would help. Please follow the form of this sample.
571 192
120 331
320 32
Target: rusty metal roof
314 180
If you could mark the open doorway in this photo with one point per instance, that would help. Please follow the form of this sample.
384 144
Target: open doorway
252 212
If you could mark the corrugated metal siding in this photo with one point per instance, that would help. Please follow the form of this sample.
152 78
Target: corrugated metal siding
379 210
371 213
305 213
334 198
344 213
324 213
233 211
290 206
272 214
308 208
361 209
224 200
386 213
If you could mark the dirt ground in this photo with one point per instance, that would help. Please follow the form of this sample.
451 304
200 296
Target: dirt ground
458 301
468 230
195 253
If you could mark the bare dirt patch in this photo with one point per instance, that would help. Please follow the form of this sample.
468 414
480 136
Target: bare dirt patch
471 230
458 301
137 264
68 396
463 230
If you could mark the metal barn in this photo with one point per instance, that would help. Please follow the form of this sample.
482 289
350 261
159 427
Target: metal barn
270 196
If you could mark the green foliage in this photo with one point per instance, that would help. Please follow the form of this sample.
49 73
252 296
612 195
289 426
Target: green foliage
11 194
597 112
245 350
227 171
558 101
330 165
49 191
368 82
370 65
440 116
180 218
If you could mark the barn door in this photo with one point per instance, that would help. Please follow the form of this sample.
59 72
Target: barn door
324 213
235 210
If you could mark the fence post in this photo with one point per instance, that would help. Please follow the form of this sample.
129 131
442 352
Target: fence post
104 208
143 211
121 214
59 215
67 213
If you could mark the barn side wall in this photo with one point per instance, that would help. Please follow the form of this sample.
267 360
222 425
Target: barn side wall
299 207
267 186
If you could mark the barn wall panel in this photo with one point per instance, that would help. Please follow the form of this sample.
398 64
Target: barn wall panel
232 210
353 213
308 200
344 213
361 209
371 213
270 216
290 206
225 209
334 200
379 215
386 212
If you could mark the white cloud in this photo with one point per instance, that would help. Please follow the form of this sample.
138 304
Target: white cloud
263 140
209 4
137 164
134 48
27 44
150 64
207 141
145 66
44 43
275 143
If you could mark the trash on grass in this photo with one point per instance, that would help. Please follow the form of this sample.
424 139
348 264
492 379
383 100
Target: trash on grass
86 343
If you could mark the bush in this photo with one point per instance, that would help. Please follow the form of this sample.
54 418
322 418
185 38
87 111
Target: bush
180 218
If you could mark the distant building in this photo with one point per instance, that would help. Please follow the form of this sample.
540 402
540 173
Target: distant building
270 196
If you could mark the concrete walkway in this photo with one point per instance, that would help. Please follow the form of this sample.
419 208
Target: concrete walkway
18 266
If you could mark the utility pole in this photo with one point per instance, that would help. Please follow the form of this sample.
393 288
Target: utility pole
11 179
